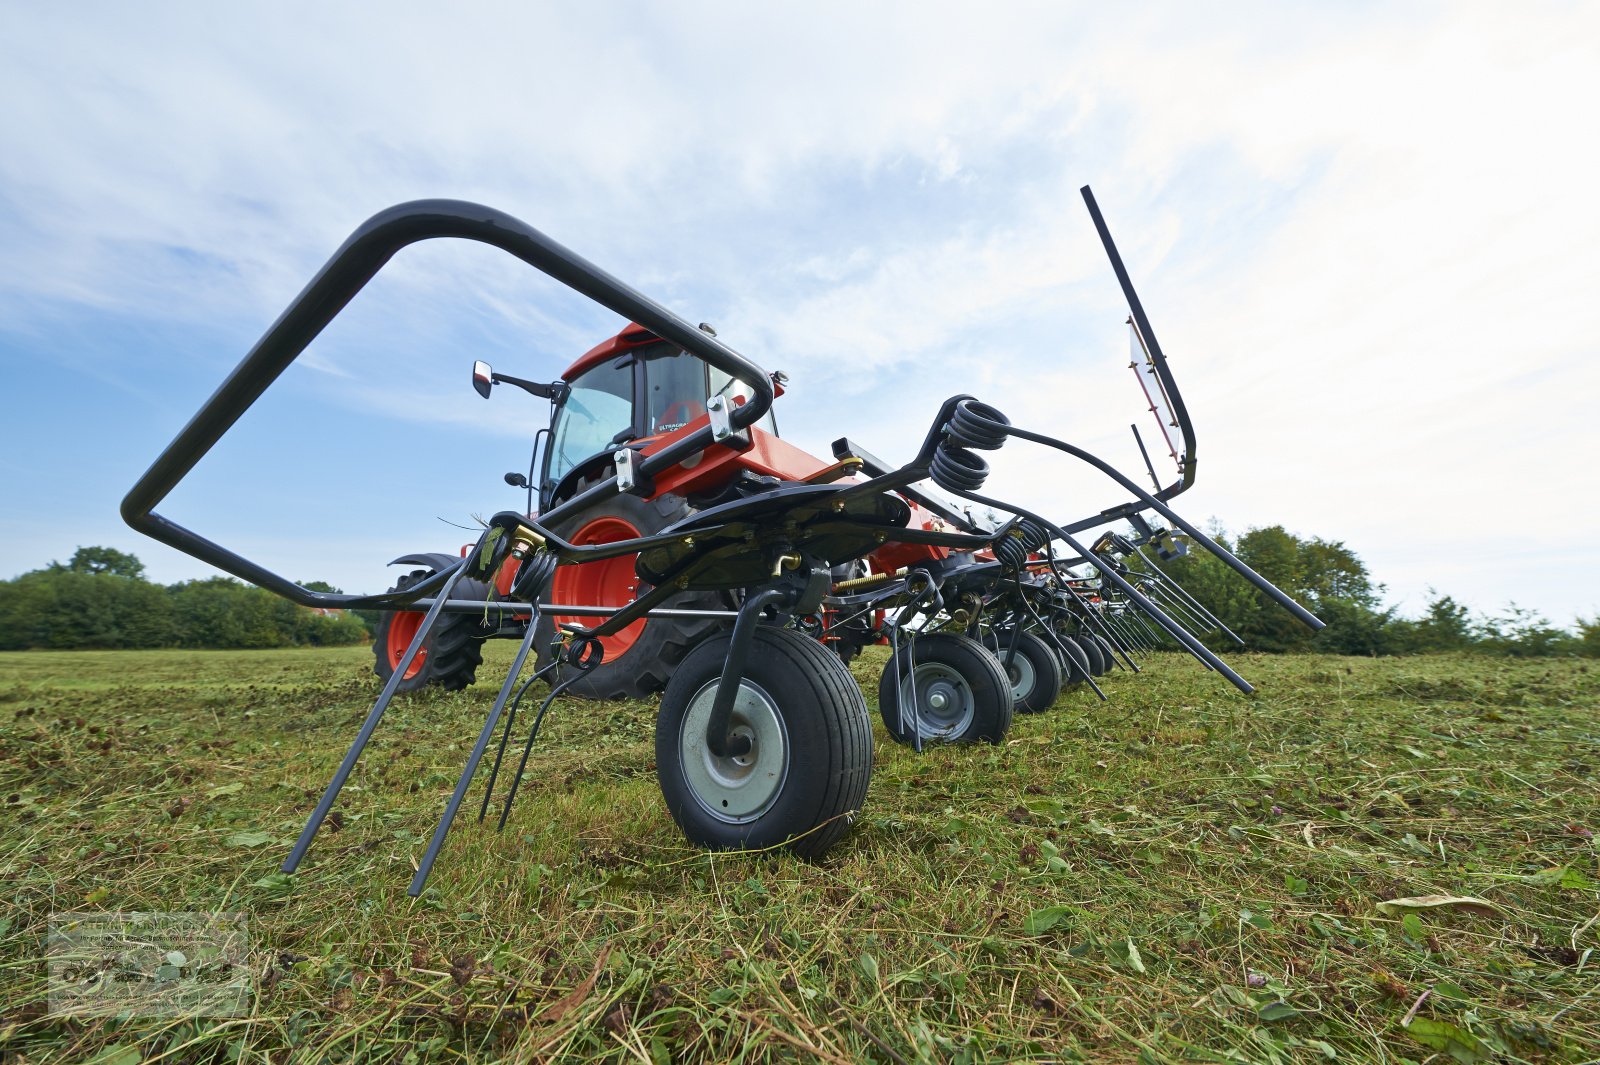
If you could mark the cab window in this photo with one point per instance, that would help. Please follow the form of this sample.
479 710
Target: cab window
599 407
676 384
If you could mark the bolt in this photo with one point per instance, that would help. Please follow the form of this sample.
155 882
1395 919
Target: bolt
938 700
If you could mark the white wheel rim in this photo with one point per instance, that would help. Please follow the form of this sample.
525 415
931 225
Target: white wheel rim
1021 673
944 700
740 789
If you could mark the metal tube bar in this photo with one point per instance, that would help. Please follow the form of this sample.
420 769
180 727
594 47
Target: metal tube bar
1198 649
1167 512
485 734
375 715
744 632
340 279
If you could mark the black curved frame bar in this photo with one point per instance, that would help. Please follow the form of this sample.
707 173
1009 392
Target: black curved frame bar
355 263
1163 371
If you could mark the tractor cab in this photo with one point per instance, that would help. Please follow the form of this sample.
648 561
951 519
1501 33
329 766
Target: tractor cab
629 389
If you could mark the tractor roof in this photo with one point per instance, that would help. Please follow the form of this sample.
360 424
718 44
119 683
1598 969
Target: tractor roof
633 336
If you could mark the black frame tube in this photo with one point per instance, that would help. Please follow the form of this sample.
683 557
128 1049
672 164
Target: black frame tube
344 275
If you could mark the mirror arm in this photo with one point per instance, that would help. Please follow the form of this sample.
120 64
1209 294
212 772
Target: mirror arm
556 390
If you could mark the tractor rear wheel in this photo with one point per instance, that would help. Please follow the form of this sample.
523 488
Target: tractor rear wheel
453 651
1035 671
810 755
639 659
961 693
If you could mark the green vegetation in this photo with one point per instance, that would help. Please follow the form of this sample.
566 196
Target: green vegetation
100 599
1183 874
1333 582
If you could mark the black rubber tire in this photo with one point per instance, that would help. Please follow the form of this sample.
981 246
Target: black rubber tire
827 760
454 648
1093 651
1107 652
1046 670
992 703
1074 660
646 666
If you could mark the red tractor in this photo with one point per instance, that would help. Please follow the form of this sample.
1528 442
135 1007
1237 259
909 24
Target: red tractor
633 392
667 507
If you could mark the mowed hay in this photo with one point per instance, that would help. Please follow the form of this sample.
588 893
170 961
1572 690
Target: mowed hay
1180 874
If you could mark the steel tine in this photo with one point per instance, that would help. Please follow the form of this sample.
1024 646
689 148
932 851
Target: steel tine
1183 593
505 735
442 829
533 734
375 715
1091 616
1196 648
1182 609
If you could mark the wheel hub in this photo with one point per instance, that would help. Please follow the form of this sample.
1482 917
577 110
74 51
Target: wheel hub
944 700
741 787
1022 675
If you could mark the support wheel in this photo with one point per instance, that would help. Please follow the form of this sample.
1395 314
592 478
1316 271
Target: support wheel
1093 652
810 755
453 651
1035 671
961 692
1074 660
1106 651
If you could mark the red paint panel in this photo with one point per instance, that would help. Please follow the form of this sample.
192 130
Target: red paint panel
634 336
717 466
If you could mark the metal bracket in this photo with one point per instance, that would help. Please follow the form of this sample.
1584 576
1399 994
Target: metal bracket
721 409
721 412
631 478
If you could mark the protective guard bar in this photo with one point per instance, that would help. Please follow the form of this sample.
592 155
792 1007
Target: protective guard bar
873 465
344 275
1159 360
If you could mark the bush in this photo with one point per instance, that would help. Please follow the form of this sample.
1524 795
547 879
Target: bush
101 600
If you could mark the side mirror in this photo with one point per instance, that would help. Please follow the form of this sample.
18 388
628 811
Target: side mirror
482 378
516 480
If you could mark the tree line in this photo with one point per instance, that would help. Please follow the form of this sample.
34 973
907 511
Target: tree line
101 599
1333 582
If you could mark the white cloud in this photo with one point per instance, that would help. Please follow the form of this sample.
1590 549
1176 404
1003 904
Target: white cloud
1363 232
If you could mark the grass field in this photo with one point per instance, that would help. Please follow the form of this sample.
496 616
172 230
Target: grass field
1180 874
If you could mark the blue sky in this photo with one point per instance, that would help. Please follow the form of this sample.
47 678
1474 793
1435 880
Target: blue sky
1364 234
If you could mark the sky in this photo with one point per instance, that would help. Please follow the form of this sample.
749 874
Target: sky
1365 235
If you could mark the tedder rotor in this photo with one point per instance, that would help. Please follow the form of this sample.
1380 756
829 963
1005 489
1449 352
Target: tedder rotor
671 540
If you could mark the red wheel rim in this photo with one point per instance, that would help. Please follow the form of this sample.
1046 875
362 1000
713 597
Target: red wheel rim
403 625
610 582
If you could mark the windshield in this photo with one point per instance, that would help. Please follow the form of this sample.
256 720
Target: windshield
599 407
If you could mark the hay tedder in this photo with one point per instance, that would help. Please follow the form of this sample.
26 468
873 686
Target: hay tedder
672 541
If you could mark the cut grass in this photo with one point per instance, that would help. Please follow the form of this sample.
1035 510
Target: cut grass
1181 874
